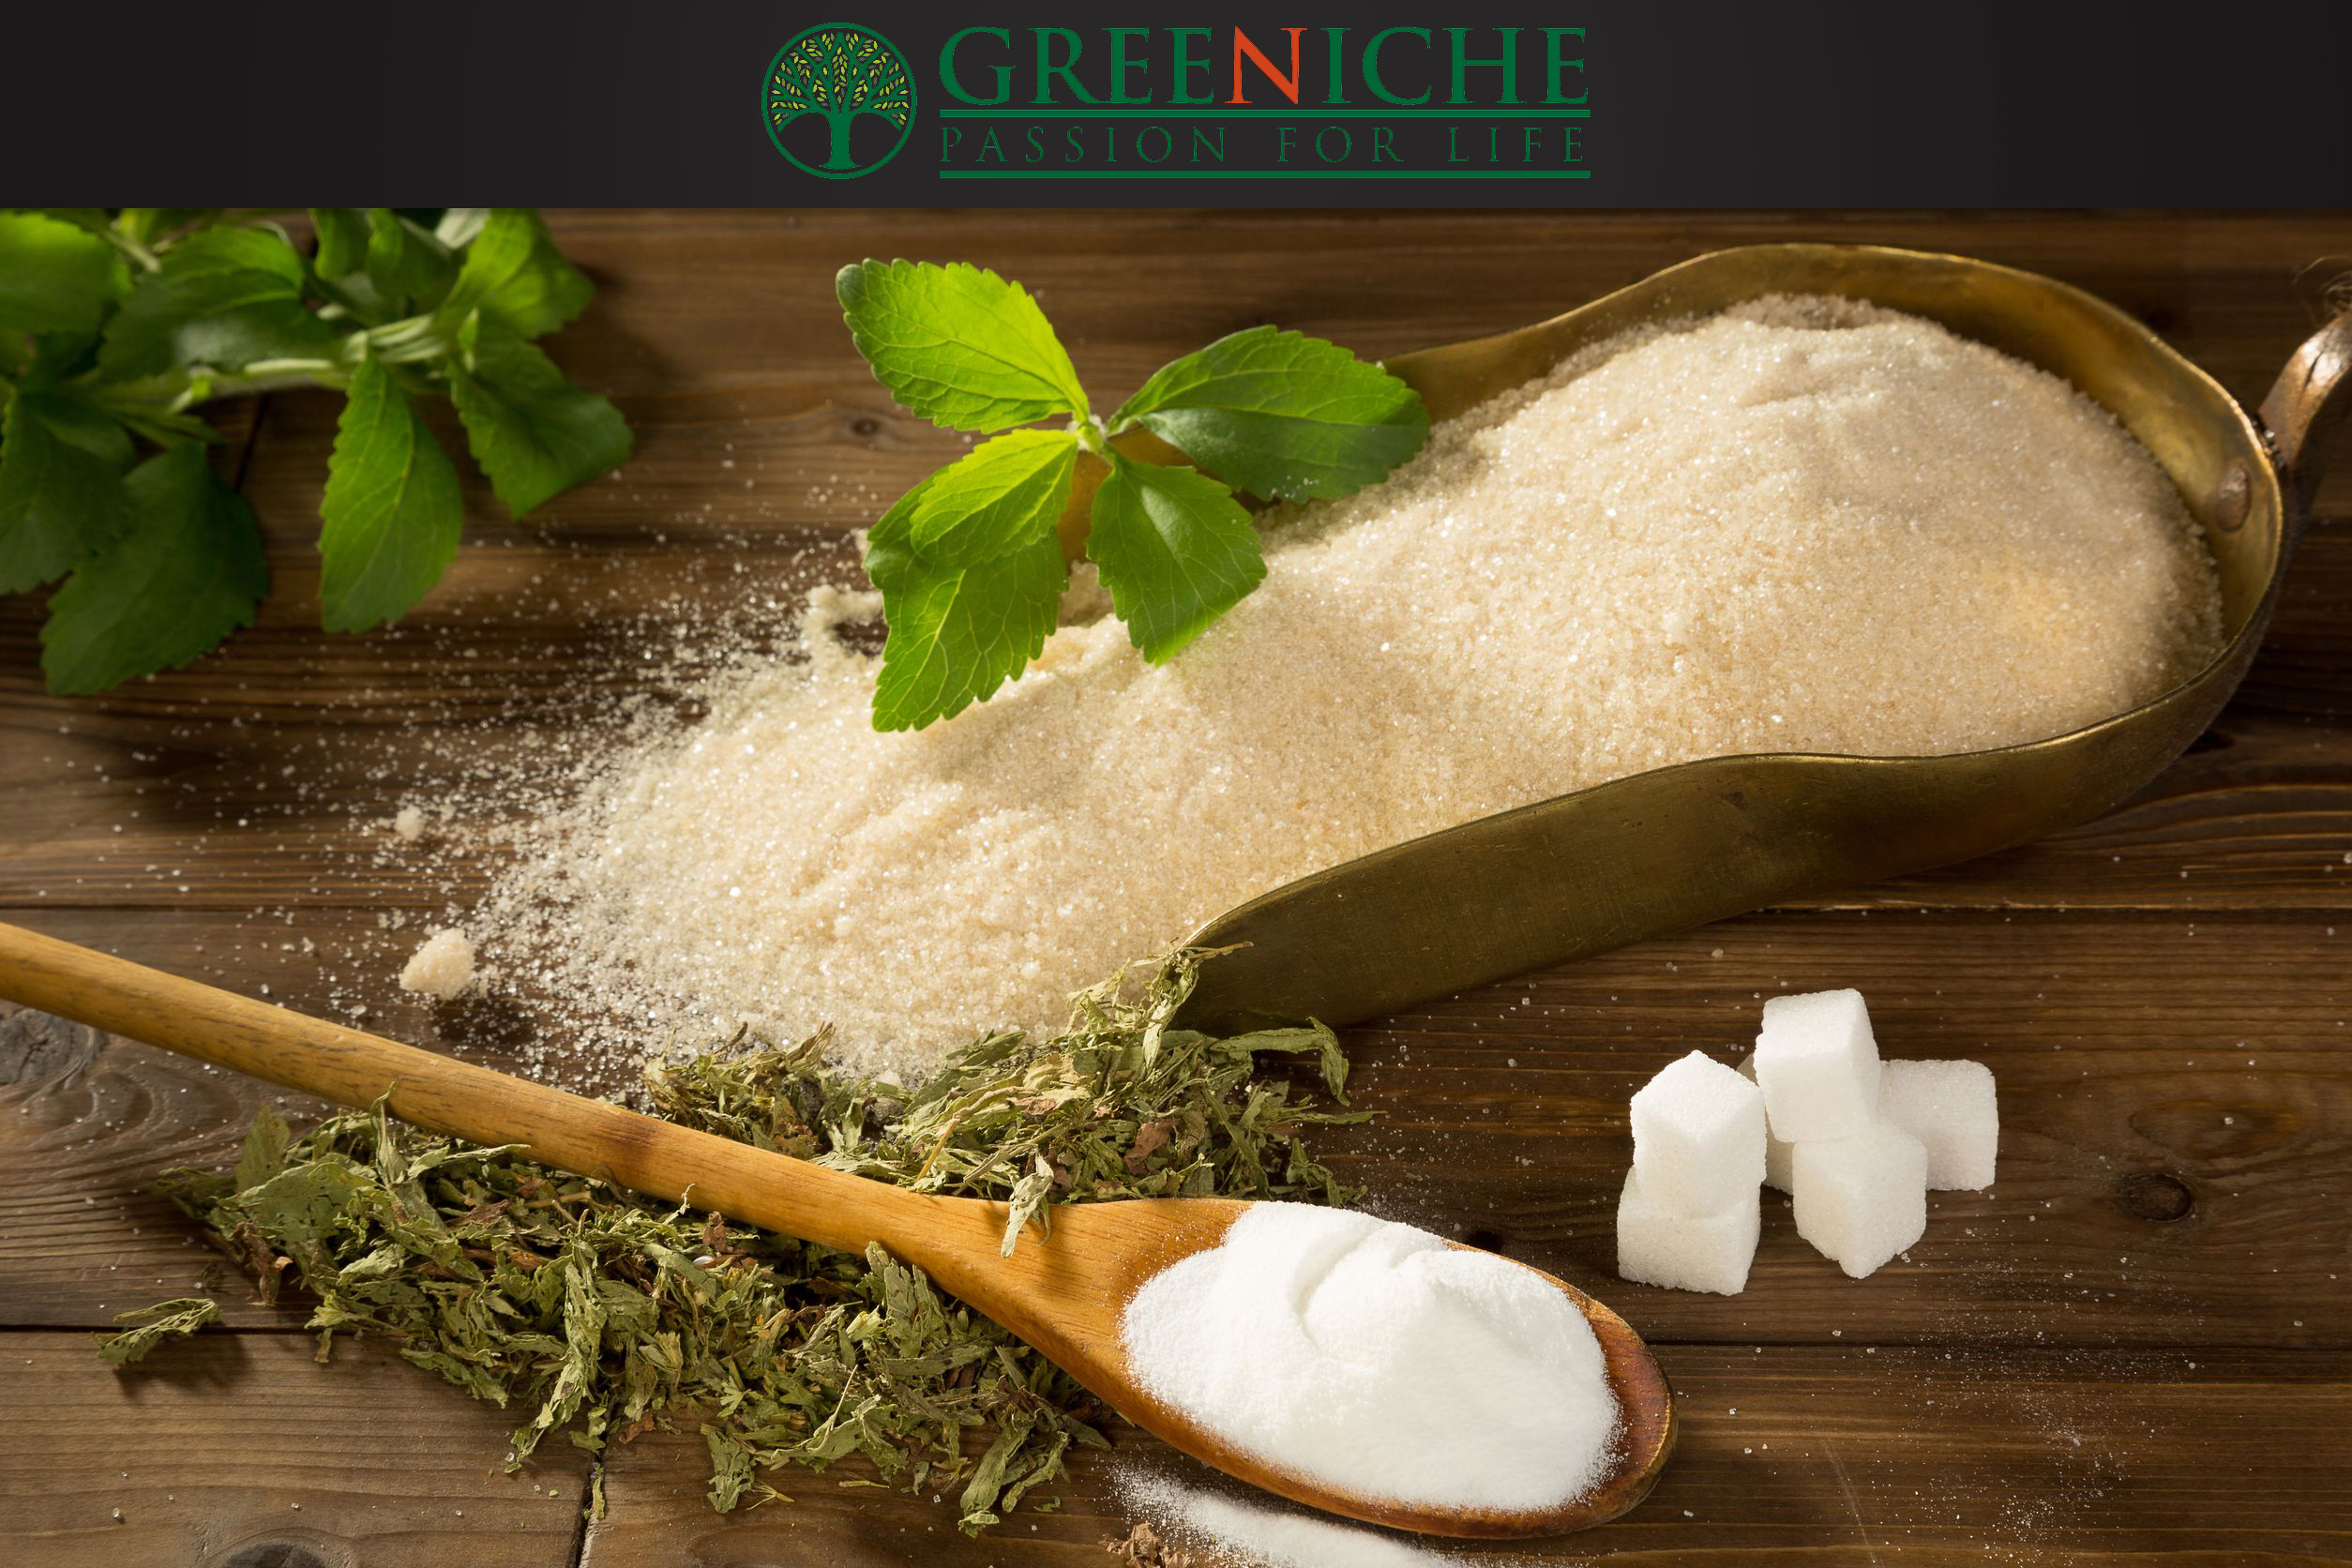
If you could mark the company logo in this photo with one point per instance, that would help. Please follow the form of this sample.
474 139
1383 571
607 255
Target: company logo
1263 103
838 101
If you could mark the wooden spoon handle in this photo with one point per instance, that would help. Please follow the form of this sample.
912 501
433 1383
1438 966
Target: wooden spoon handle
446 1095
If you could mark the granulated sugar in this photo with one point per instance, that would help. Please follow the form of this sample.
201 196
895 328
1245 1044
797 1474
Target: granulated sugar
1214 1529
1373 1358
1798 526
441 968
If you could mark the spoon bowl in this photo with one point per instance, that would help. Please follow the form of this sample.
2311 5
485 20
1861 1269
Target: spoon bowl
1068 1300
1063 1293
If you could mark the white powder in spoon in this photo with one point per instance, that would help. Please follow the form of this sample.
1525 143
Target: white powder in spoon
1373 1358
1802 526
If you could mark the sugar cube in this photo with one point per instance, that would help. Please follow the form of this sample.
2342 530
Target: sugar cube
1950 1107
1775 1149
1862 1199
1817 1065
1698 1136
1657 1246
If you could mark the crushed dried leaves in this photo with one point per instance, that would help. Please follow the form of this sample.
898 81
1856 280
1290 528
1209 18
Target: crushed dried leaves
606 1314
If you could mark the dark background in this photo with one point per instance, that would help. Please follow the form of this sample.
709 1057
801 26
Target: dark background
1839 102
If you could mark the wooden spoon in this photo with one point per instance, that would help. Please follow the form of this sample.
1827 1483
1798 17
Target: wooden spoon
1062 1293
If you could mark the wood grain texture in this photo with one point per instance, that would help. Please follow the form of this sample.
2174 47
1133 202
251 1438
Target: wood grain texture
1833 1456
2176 1097
2161 994
240 1451
273 787
1061 1293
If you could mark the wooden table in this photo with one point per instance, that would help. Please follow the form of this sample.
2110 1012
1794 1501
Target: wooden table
2134 1349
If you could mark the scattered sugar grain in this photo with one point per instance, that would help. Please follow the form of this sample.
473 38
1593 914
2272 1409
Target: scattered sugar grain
1215 1528
441 968
1763 530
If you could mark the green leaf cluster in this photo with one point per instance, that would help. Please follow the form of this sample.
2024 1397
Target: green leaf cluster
601 1313
970 562
115 326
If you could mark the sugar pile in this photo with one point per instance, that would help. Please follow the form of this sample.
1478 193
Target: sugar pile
1372 1357
441 968
1801 526
1212 1528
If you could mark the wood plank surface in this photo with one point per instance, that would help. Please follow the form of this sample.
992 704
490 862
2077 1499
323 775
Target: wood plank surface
132 807
1836 1456
240 1451
2135 1348
2176 1097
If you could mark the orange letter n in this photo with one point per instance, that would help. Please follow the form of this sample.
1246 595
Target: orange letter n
1289 85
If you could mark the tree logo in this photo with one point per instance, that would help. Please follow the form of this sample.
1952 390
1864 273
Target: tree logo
837 78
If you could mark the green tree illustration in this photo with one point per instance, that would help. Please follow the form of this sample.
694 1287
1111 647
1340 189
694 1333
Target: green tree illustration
839 75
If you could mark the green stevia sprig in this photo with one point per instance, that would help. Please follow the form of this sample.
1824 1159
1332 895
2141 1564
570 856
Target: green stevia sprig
969 562
114 325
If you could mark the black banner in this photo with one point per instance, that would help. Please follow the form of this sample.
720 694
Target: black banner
872 104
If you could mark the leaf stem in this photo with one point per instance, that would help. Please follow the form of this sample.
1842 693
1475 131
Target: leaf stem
173 394
131 248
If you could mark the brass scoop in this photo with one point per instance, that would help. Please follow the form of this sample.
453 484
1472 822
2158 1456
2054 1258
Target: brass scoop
1665 851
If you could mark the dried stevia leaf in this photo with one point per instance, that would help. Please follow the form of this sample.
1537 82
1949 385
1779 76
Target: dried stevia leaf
172 1319
596 1313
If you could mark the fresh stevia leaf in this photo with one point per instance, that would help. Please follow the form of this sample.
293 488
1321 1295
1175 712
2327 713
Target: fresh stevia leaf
172 1319
513 274
392 511
55 276
188 571
81 424
890 557
959 633
235 250
61 487
342 241
145 225
1282 415
533 433
222 299
59 356
455 227
404 262
1176 552
97 220
958 344
994 500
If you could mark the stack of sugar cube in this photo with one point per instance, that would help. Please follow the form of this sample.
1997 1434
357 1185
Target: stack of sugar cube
1691 1209
1856 1142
